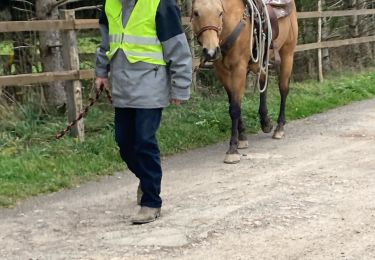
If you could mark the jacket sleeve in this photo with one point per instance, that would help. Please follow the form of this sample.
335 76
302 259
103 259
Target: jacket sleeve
175 48
102 61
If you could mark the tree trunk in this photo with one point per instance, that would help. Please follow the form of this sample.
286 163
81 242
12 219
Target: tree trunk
366 50
50 53
325 34
354 31
5 12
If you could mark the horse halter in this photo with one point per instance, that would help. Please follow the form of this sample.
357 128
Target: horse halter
207 28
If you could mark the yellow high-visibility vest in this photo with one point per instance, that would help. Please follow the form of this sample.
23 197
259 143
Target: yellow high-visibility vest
138 39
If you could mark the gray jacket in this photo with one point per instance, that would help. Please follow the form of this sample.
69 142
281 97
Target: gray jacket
144 85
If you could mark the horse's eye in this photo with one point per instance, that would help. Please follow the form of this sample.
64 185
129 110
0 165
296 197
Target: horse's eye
221 14
196 14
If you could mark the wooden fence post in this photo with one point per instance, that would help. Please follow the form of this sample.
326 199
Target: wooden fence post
320 56
73 87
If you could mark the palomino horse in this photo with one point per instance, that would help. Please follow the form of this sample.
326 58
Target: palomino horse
213 22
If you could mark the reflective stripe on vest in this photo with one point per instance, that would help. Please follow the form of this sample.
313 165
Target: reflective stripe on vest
138 39
119 38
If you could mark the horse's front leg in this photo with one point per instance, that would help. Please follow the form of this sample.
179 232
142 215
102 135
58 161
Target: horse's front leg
233 156
243 143
234 80
236 90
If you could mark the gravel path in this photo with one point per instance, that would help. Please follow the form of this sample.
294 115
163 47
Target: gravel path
309 196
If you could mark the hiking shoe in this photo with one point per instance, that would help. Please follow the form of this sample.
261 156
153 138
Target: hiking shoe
139 194
146 215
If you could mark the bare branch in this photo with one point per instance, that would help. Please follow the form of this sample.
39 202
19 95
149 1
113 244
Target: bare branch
24 2
58 3
64 2
97 7
23 10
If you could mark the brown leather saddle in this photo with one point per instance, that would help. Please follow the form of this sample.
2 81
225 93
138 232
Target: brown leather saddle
278 9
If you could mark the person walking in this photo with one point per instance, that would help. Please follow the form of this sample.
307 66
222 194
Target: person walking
145 53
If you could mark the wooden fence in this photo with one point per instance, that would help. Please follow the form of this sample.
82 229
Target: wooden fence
68 25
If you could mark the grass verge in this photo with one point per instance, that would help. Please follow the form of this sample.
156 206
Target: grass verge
32 162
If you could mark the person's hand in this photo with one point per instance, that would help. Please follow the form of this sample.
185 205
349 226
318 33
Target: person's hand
176 101
100 81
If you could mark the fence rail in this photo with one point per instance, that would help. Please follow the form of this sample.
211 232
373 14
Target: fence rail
44 77
48 25
323 14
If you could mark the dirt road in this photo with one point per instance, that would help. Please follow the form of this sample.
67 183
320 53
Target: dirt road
309 196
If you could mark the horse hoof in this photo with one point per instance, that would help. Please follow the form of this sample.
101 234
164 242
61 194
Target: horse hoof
279 134
243 144
267 129
267 126
232 158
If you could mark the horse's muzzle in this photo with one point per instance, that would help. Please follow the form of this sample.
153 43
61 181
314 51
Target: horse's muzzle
211 54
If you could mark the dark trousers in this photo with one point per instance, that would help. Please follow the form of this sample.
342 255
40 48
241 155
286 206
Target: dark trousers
135 131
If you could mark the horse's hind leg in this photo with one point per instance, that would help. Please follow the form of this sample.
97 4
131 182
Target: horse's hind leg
265 121
284 79
243 143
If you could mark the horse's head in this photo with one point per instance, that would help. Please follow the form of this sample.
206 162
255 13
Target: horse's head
207 23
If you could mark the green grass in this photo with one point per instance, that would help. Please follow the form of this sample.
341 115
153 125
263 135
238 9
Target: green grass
6 48
88 44
32 162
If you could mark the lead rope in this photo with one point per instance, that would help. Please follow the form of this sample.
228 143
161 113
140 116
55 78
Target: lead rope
261 42
268 39
85 111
